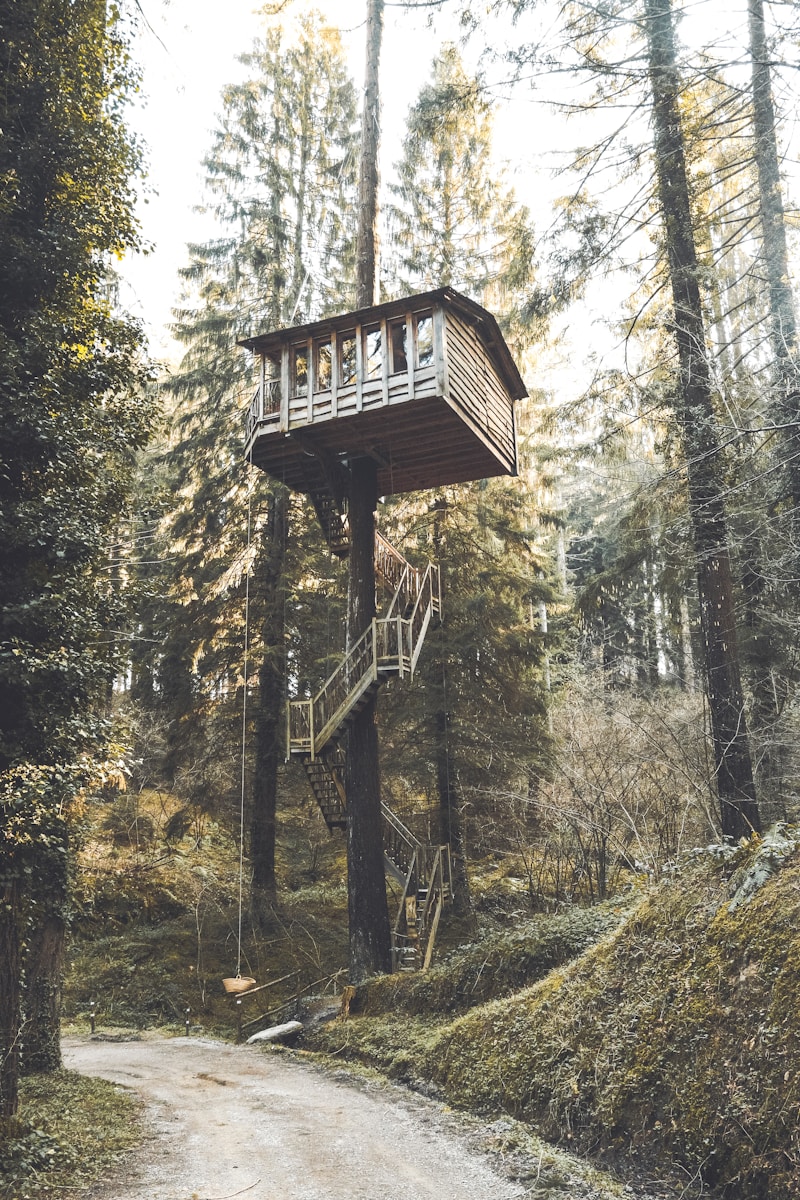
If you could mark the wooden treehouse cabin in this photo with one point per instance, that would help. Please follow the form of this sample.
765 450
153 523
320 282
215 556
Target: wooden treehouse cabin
425 386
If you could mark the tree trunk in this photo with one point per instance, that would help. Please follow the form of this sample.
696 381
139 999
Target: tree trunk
708 522
44 963
370 937
270 714
450 812
366 243
783 324
9 999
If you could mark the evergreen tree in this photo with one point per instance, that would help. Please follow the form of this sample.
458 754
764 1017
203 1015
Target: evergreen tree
479 719
280 181
75 410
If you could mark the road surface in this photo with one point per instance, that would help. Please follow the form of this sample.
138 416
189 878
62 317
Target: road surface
229 1121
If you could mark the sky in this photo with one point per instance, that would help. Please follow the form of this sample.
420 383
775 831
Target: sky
187 52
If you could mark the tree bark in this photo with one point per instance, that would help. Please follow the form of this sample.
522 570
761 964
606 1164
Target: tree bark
366 243
9 998
451 821
41 1003
783 323
734 772
270 713
370 937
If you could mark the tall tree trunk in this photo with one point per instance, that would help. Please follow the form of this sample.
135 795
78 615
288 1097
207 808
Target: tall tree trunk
708 522
783 322
10 902
370 936
451 821
269 715
367 238
773 682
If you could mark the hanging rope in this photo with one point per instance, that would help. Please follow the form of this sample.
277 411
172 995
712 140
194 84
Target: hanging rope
246 667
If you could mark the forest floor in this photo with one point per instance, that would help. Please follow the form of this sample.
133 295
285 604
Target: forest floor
225 1121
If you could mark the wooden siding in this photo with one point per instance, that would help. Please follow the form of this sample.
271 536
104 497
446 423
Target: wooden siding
448 421
475 386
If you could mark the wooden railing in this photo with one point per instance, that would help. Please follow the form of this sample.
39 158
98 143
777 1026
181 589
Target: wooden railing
264 404
391 645
426 887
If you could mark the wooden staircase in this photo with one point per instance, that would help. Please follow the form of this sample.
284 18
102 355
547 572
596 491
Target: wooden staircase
424 873
389 647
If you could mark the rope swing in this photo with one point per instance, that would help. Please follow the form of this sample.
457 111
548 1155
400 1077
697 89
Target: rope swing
240 983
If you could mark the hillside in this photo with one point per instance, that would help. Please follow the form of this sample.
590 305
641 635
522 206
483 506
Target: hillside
671 1043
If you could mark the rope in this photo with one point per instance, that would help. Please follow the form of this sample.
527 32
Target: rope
244 721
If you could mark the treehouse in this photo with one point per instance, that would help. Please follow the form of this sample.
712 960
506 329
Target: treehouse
424 385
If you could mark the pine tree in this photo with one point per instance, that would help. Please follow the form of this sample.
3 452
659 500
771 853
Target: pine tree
478 721
280 181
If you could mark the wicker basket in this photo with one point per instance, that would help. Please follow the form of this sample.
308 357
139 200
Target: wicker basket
242 983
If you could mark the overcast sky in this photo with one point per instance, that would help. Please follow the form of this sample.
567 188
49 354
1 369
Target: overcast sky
187 50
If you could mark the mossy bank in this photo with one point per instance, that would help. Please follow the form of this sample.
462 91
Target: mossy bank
671 1044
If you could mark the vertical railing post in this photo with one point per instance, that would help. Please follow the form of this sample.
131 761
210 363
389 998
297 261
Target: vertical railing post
311 732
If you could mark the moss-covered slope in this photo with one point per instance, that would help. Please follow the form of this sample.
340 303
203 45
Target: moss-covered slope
672 1042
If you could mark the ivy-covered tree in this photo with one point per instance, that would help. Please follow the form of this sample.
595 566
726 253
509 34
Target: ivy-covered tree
75 410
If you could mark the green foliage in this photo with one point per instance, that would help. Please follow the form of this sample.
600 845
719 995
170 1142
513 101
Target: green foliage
71 1130
455 221
280 180
71 377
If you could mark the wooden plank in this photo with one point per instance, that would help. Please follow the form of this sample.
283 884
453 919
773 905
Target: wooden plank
440 350
359 367
385 361
334 374
285 389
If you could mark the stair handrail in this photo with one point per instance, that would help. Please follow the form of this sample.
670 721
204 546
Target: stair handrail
393 640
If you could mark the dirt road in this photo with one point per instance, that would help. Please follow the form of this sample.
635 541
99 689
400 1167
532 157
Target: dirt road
233 1121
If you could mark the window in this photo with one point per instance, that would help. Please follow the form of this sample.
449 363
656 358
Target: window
373 352
398 341
424 341
322 372
272 385
347 361
300 370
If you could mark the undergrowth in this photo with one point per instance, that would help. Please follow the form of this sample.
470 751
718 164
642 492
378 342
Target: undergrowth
155 928
71 1131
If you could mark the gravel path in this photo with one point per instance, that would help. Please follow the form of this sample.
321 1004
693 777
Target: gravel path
228 1121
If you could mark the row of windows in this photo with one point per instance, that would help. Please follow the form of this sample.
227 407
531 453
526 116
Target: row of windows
373 357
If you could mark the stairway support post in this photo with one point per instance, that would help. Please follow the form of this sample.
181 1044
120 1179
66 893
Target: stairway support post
370 936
